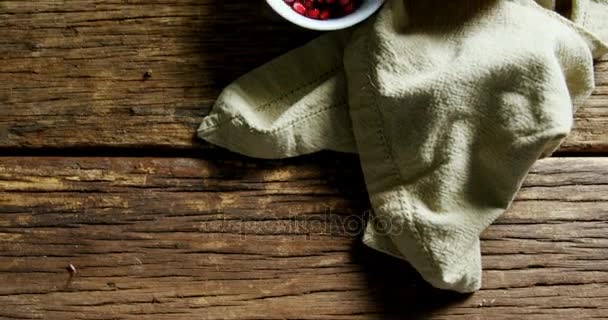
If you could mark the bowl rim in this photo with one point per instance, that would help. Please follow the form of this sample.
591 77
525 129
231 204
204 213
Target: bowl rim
367 9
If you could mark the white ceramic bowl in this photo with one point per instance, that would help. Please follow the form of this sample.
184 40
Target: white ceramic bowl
366 9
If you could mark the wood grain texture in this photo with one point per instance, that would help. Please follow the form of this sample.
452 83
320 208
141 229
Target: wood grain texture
72 71
235 238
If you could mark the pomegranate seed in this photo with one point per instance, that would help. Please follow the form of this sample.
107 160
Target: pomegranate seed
325 14
299 8
323 9
313 13
349 8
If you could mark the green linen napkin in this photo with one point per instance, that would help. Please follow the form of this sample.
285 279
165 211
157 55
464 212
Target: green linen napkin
447 103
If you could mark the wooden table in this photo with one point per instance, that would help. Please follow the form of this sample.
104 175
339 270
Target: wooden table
100 169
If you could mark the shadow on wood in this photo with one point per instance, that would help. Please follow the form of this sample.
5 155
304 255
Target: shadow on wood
397 287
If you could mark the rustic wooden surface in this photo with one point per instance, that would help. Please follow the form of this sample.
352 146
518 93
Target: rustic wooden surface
190 238
159 225
72 72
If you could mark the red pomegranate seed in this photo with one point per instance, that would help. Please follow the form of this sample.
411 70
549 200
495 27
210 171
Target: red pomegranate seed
323 9
325 14
313 13
299 8
349 8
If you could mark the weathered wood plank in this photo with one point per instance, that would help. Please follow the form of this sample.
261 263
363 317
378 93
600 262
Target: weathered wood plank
72 71
155 238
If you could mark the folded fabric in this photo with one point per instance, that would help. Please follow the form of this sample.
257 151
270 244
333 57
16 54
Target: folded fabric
447 103
294 105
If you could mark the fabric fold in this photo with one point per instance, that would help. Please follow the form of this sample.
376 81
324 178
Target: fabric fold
448 121
294 105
